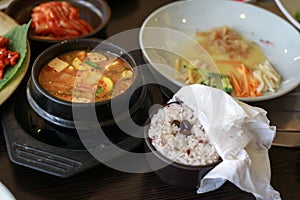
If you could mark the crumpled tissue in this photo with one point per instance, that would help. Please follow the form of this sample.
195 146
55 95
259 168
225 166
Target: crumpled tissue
242 137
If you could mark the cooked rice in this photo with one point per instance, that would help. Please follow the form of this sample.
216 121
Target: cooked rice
166 136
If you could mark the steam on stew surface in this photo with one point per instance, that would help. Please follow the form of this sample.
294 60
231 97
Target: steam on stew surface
86 76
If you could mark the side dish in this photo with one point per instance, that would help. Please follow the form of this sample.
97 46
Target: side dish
17 37
86 76
58 20
243 69
7 57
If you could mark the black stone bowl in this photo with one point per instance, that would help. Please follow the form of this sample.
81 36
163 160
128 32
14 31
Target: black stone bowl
173 173
84 115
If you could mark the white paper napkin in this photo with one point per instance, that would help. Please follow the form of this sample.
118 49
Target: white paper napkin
5 194
242 136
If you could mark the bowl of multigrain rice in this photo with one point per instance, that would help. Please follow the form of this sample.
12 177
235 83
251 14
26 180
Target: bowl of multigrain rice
178 148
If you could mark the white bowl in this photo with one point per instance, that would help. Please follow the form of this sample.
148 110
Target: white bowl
4 4
176 23
289 8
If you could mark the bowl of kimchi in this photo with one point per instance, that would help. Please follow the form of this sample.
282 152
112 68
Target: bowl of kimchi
84 83
54 21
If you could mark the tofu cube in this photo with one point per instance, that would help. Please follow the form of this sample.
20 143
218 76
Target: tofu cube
58 64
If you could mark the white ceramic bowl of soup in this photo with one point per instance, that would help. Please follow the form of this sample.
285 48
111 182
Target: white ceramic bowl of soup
171 30
74 76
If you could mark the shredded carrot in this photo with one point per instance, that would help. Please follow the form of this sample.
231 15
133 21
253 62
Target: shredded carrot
246 80
244 94
247 84
236 85
253 81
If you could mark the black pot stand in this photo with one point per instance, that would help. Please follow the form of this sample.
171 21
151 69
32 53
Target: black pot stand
32 142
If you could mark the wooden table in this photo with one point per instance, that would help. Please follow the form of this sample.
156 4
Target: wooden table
103 182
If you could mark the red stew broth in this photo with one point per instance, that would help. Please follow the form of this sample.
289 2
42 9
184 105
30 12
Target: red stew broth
86 76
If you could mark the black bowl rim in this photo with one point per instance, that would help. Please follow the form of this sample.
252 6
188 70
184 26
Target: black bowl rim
105 20
79 40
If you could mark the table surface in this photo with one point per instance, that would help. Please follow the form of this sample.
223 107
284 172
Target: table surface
102 182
